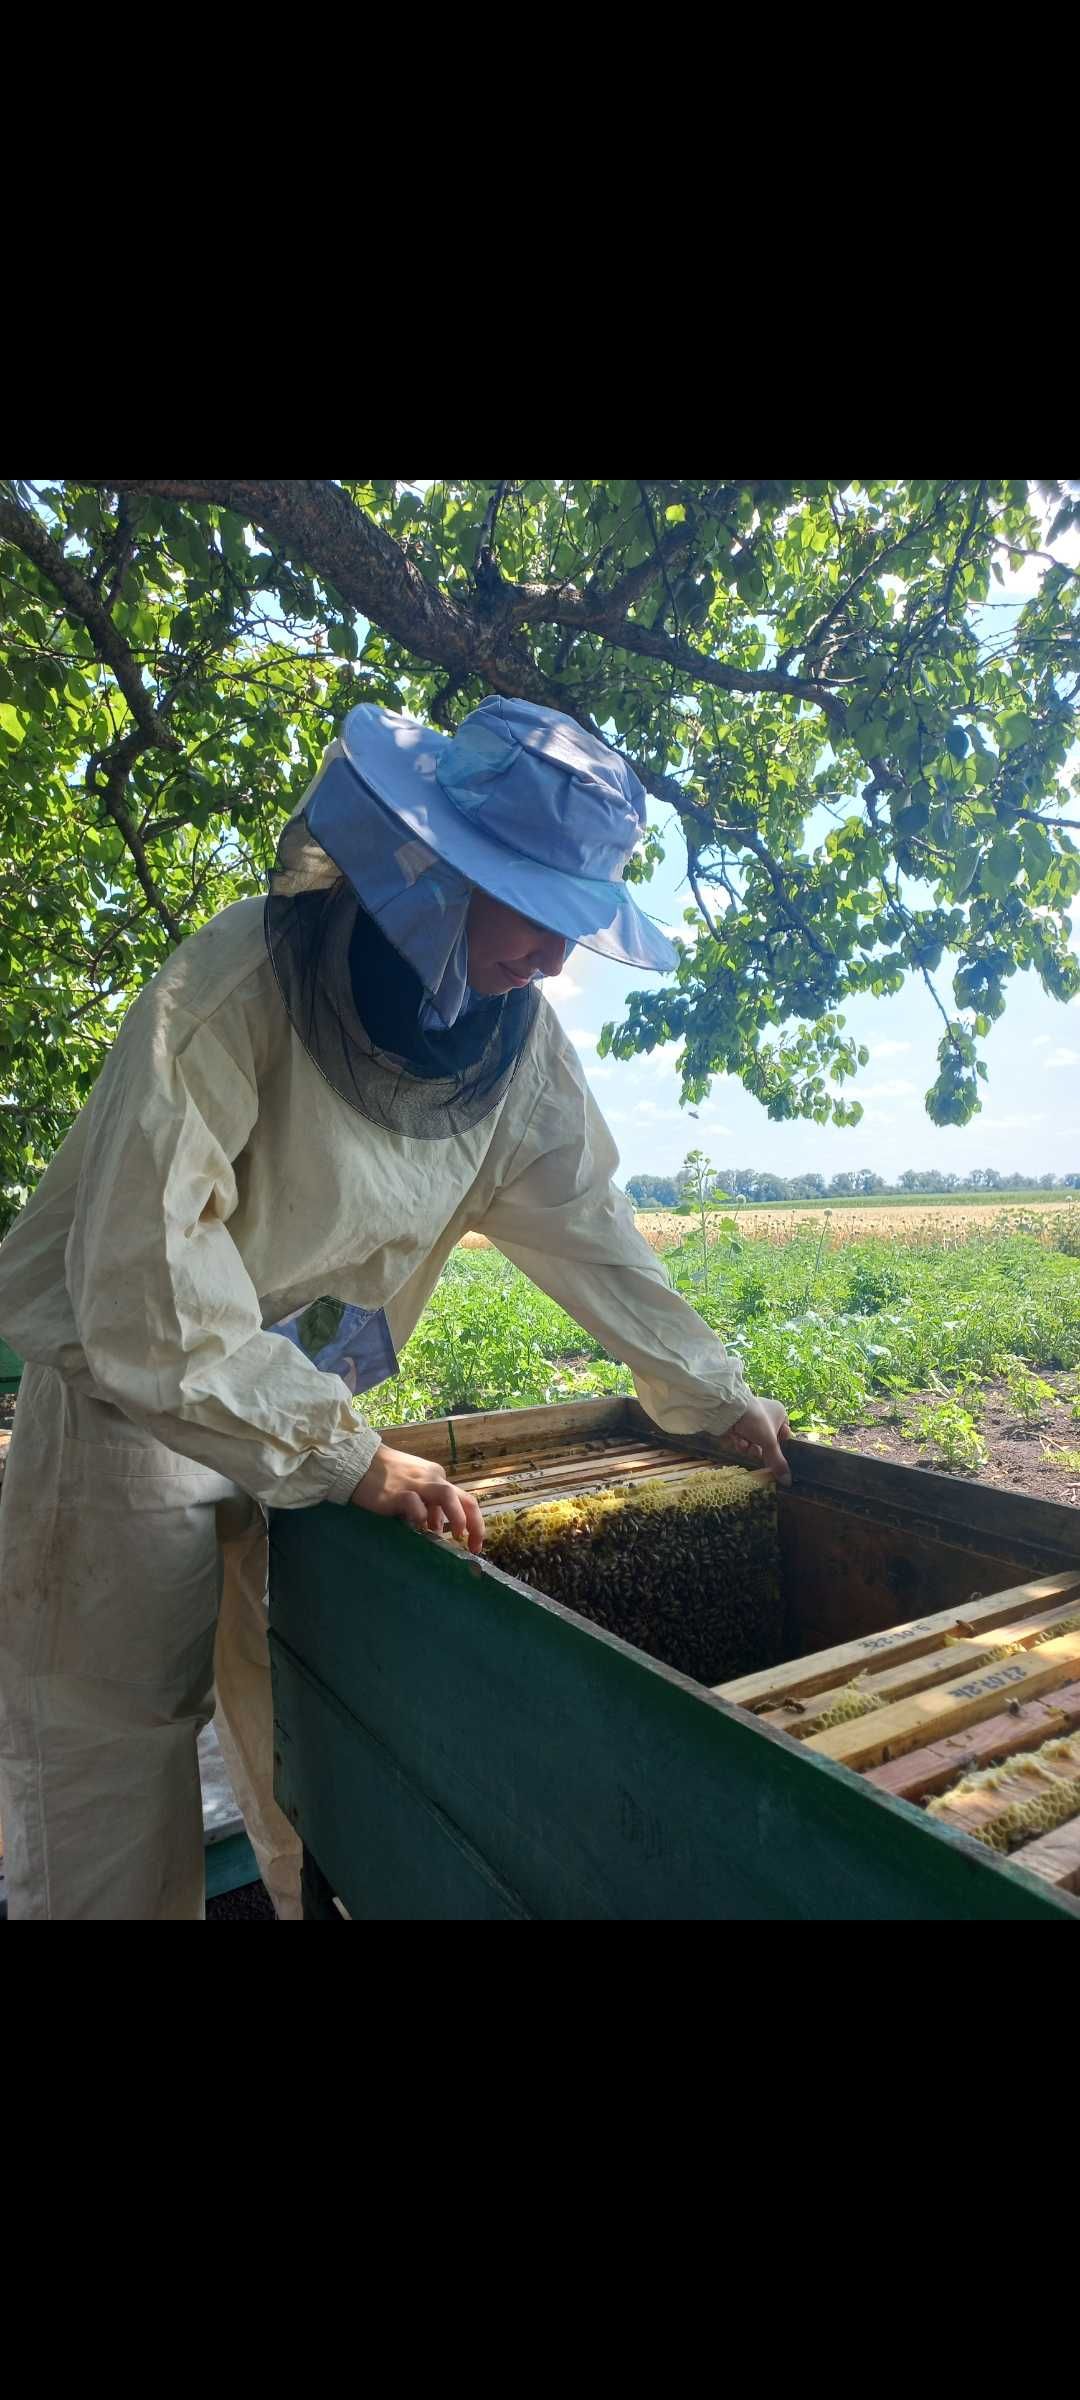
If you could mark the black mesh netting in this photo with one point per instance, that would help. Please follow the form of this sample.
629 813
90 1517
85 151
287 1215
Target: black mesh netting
355 1003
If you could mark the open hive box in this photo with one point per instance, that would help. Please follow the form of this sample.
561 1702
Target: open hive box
669 1690
970 1711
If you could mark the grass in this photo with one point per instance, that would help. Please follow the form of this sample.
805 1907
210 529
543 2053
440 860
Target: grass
830 1332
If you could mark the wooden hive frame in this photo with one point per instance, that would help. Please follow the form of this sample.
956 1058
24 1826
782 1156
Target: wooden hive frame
511 1458
941 1697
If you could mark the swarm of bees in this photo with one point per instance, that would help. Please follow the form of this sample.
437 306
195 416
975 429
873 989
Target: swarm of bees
689 1573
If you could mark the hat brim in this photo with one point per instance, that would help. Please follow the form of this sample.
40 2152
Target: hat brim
397 757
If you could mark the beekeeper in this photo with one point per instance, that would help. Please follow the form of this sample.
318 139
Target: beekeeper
302 1114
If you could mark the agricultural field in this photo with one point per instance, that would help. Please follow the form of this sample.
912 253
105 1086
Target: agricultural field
946 1339
932 1222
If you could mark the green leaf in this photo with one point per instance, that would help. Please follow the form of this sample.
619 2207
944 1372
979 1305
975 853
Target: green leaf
1038 851
1003 863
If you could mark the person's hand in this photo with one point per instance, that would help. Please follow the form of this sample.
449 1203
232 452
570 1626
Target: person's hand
759 1433
398 1485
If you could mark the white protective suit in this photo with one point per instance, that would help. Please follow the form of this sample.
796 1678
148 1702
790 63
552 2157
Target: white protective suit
214 1183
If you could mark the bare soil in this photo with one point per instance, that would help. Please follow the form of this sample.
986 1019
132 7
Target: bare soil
1018 1454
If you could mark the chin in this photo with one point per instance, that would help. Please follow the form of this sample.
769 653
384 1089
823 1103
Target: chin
494 987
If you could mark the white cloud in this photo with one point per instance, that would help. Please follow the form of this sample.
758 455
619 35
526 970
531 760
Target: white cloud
582 1038
660 1061
561 987
1042 1041
878 1116
889 1049
1063 1058
1009 1124
885 1091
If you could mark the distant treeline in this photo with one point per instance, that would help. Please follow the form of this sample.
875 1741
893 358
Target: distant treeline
752 1183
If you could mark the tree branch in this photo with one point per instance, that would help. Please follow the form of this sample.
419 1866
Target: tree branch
117 764
484 557
1000 543
320 524
317 522
660 560
626 636
962 548
19 525
813 640
440 704
696 889
746 837
538 603
669 550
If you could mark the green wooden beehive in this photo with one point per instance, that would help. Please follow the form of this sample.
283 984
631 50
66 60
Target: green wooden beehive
455 1742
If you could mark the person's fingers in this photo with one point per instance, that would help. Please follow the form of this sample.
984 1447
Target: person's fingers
464 1516
772 1458
755 1435
474 1517
412 1511
450 1503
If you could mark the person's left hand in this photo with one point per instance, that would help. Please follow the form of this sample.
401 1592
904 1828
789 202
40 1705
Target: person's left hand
759 1432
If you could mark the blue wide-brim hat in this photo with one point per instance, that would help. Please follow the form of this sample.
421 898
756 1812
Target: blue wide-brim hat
521 801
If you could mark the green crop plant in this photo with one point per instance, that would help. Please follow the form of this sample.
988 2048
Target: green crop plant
951 1430
1029 1395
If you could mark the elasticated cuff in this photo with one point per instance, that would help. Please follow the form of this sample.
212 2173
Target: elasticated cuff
351 1462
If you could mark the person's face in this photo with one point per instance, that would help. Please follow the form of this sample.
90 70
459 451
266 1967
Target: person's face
505 949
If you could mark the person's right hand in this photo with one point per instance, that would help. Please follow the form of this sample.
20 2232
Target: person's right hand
759 1433
399 1485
